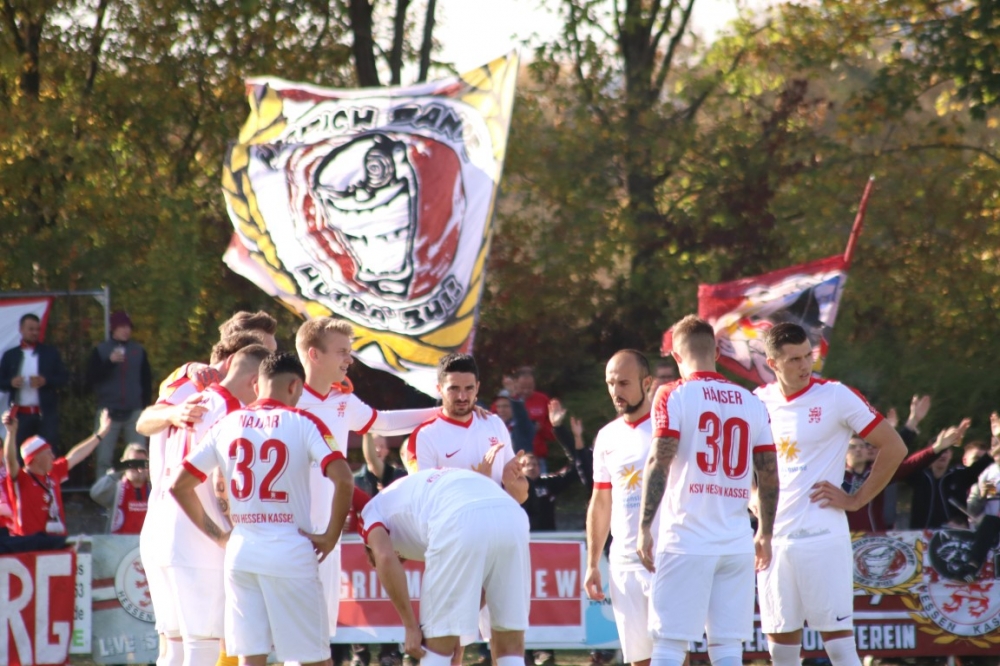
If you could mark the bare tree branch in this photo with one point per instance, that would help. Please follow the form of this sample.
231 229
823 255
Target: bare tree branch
427 42
675 41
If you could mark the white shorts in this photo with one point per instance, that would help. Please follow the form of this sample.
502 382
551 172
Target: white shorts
809 580
286 613
694 595
199 599
630 590
482 547
163 601
329 576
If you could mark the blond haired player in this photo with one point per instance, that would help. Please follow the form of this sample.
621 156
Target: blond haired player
620 451
175 411
273 595
812 578
710 437
473 539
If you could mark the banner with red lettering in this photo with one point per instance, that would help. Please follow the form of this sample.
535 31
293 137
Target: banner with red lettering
557 602
37 593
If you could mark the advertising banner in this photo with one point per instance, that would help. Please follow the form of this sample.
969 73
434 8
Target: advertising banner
37 592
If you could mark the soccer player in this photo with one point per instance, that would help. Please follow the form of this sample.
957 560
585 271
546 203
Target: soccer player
620 451
472 538
707 433
273 595
184 568
324 349
811 576
453 438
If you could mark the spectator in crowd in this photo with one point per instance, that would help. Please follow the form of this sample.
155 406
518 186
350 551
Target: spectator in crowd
959 479
125 492
19 544
537 405
984 504
664 372
35 490
543 489
118 372
512 412
32 373
860 455
376 473
908 432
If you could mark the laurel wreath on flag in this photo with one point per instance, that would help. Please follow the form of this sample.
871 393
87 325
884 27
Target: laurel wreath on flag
906 586
942 637
489 89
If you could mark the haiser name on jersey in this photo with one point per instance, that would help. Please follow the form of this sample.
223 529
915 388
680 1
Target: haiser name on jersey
722 397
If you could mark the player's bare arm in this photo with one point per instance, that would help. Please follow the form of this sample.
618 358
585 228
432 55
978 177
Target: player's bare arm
514 481
393 579
157 418
221 494
80 452
598 528
765 466
661 454
375 464
891 451
339 472
183 490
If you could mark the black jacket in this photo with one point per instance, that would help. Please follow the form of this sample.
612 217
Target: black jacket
542 492
50 366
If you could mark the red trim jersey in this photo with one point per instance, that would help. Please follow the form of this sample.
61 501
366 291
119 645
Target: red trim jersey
444 442
719 426
130 511
265 452
812 429
174 393
620 452
37 500
178 542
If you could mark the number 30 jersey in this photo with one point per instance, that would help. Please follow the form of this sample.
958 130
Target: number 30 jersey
719 426
265 452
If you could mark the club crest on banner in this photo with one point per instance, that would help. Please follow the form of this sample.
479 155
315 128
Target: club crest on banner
374 206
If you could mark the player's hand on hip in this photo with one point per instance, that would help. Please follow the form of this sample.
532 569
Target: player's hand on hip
593 585
762 552
645 549
413 644
322 545
828 495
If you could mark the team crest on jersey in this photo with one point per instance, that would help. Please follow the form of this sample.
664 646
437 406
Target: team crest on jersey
341 409
494 441
815 414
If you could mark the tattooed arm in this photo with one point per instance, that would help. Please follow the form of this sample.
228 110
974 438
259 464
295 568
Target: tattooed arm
765 466
183 491
654 484
221 494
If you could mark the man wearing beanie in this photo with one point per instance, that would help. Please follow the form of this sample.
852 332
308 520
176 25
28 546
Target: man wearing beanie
35 489
118 371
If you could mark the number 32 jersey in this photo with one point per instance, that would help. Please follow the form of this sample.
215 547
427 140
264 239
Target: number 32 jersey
265 452
719 426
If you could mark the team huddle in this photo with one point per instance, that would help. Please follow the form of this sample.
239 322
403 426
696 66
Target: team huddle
251 491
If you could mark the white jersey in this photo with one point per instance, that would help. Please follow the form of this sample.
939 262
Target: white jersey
443 442
178 541
620 452
812 429
719 426
407 507
161 507
265 452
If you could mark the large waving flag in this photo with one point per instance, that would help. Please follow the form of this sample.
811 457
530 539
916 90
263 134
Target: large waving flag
743 310
375 206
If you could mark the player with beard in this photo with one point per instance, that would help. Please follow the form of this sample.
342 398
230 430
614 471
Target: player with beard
620 451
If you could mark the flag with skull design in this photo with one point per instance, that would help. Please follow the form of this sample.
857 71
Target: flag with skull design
374 206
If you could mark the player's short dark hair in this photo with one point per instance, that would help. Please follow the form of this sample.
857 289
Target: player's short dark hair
257 352
282 363
26 317
228 346
696 333
785 333
248 321
455 362
640 360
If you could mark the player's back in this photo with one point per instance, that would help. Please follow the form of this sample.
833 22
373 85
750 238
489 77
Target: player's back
719 425
266 451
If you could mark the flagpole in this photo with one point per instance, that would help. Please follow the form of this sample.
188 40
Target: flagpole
859 221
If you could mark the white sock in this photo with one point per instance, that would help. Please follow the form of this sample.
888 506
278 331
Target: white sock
785 655
173 654
726 654
435 659
843 651
510 661
668 652
201 652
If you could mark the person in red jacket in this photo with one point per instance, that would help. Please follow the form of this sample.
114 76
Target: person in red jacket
537 405
35 489
871 517
124 492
